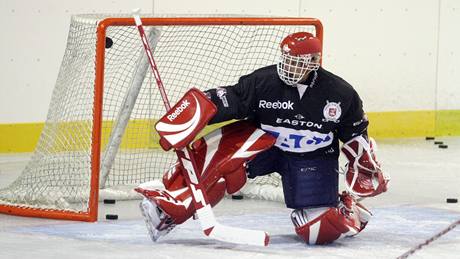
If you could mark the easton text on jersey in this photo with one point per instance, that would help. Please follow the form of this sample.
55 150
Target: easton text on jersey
302 123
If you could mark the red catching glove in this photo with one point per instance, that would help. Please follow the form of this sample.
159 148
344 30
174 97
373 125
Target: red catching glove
363 177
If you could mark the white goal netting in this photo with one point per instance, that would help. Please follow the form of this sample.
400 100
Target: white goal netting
58 175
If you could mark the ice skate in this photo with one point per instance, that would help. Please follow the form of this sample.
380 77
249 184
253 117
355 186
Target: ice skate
158 222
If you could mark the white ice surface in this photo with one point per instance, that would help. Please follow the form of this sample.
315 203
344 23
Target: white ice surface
413 210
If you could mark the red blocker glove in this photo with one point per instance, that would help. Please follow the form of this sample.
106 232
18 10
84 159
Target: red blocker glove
363 177
180 125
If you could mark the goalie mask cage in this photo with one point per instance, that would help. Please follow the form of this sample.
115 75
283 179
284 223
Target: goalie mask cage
99 130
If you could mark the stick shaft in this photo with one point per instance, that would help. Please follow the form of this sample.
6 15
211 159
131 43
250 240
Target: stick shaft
152 62
200 200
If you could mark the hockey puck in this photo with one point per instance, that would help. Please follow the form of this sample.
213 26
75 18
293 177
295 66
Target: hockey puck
237 197
111 216
429 138
108 42
443 146
109 201
451 200
438 142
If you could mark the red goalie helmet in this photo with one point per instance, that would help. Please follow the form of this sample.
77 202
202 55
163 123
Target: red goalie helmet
300 53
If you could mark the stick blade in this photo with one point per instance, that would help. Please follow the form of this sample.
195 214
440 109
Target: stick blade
239 235
213 229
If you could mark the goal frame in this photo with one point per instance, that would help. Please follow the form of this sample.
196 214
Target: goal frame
91 214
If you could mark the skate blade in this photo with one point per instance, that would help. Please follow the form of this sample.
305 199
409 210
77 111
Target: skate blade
155 219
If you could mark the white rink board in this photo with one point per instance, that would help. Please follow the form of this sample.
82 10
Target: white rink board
406 53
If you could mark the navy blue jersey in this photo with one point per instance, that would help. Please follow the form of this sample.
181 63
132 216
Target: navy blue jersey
310 126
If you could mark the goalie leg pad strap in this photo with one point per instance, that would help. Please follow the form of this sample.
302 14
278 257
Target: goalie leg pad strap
235 180
173 179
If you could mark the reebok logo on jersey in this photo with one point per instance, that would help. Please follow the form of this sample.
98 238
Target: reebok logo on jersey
288 105
178 110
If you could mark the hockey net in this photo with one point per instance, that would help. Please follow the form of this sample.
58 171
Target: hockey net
99 130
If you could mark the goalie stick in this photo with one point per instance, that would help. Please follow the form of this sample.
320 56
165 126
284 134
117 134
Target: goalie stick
204 211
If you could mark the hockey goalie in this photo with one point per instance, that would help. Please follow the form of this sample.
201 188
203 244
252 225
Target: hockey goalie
292 116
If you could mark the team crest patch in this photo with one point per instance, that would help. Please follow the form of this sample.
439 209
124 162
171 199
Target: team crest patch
332 112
